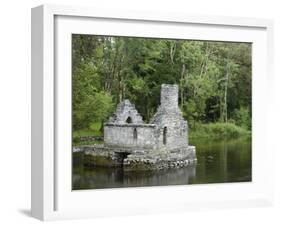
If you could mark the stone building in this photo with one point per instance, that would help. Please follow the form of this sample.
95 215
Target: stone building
167 130
135 145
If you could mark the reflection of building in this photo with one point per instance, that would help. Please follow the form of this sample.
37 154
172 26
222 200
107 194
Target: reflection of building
112 178
130 142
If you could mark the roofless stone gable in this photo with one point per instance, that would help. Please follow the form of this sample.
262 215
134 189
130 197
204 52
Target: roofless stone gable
126 113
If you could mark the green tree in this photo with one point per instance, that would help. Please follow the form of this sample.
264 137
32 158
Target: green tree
214 78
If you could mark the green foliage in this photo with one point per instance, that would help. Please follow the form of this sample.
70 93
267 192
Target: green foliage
94 130
96 107
214 78
218 131
242 118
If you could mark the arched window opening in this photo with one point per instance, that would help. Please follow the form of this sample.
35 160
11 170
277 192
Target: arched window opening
165 135
135 134
129 120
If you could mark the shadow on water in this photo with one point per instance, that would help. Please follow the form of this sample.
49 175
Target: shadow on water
218 162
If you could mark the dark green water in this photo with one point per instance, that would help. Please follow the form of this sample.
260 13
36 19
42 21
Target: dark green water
218 162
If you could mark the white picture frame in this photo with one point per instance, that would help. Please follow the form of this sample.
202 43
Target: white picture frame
52 197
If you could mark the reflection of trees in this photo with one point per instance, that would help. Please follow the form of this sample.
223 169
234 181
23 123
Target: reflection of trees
223 161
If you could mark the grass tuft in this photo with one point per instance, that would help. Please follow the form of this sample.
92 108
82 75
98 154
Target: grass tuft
218 131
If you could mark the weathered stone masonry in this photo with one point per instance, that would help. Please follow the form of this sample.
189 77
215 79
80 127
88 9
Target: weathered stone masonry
131 143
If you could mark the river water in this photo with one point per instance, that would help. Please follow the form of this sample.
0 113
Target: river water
218 162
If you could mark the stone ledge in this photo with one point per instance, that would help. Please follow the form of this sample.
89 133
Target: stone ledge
130 125
137 160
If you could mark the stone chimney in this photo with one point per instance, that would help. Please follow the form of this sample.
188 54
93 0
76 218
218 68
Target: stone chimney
169 96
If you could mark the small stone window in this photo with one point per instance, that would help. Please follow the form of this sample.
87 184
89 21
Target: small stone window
135 134
165 135
129 120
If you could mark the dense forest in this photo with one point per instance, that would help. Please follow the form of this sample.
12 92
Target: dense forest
214 79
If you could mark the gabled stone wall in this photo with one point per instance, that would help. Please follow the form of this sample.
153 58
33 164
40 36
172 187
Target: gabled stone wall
126 113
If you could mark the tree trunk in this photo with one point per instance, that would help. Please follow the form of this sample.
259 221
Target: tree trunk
119 88
225 99
172 51
225 92
181 85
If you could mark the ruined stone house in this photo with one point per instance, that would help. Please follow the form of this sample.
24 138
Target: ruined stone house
167 129
130 142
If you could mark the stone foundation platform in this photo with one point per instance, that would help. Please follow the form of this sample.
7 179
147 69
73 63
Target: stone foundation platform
135 159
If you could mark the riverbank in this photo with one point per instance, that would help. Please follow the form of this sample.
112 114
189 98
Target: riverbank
218 131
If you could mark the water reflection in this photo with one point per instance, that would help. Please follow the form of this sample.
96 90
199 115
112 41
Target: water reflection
112 178
220 161
224 161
